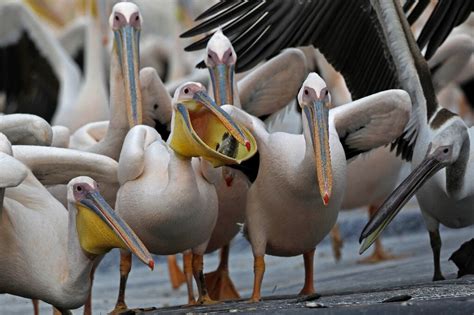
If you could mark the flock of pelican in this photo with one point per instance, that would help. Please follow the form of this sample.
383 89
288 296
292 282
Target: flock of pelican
184 161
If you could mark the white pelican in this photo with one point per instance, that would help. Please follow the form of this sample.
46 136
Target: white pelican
125 98
162 189
442 163
292 217
49 251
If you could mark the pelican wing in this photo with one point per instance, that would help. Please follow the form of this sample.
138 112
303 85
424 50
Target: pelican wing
261 28
368 42
274 84
372 121
89 135
132 156
340 29
37 74
12 172
446 15
26 129
54 166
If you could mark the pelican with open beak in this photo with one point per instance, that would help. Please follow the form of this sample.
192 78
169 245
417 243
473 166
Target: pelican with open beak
200 128
164 183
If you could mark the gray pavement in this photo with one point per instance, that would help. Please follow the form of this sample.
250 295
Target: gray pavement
345 287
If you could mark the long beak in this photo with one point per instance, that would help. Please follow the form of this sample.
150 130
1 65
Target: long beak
222 78
204 99
317 115
395 202
99 206
127 46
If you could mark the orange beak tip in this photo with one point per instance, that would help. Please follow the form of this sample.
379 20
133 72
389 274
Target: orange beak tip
151 264
326 199
247 145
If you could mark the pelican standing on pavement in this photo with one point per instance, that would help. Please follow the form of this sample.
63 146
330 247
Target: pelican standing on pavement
442 164
291 218
49 251
162 186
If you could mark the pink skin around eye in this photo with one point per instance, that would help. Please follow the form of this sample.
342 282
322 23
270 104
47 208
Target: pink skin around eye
227 58
119 21
135 20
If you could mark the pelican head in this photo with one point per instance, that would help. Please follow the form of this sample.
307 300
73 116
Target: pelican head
200 125
315 103
99 228
449 148
220 60
126 22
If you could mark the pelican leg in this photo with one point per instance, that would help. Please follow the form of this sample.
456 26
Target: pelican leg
218 282
188 273
336 242
379 253
125 267
435 241
308 288
258 270
36 310
88 305
198 267
177 277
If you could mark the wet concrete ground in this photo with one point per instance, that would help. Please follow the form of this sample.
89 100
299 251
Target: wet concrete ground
345 287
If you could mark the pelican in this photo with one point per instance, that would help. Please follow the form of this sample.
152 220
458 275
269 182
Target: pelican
442 163
49 251
291 218
162 185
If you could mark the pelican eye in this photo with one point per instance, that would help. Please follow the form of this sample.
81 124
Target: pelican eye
209 56
155 106
306 92
446 150
78 188
186 91
117 18
137 18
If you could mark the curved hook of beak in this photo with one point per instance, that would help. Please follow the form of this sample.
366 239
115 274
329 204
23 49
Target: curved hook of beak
96 203
317 115
397 199
204 99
